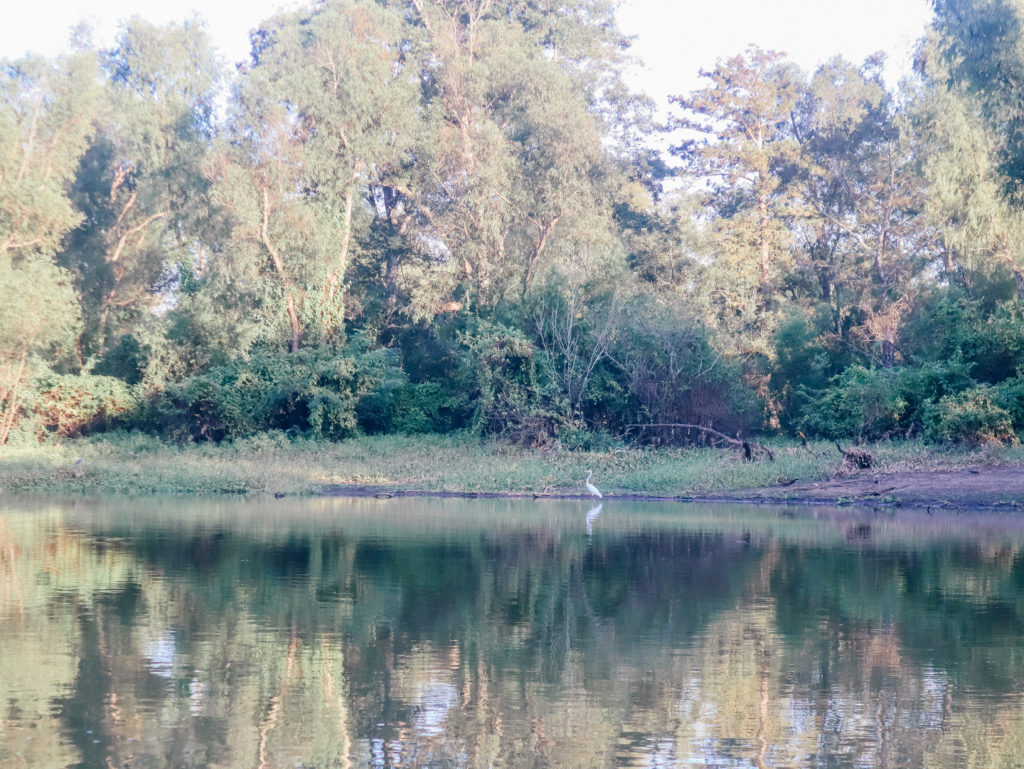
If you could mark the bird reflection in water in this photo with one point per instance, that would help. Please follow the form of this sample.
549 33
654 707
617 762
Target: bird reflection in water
592 514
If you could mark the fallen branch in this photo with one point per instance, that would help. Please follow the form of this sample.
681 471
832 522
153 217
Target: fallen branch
746 446
856 457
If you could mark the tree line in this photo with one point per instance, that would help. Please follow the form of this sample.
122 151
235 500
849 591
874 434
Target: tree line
436 215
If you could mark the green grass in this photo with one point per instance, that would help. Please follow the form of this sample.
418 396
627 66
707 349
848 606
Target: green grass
272 464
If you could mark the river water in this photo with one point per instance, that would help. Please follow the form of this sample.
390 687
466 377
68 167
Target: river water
417 632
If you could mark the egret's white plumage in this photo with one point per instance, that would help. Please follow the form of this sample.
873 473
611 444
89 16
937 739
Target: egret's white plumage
591 487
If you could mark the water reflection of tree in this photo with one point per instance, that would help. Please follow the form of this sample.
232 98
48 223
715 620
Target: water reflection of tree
532 647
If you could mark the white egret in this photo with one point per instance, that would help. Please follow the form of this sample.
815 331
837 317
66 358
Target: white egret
591 487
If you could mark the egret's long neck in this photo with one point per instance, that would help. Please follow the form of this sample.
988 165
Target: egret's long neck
588 475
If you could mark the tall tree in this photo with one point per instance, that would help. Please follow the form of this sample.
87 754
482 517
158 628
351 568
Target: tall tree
973 65
327 111
982 45
46 118
520 176
863 230
746 153
140 185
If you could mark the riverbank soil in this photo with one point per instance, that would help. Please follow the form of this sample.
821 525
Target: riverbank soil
984 487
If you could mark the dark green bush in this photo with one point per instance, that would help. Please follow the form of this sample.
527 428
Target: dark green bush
988 337
861 402
79 404
801 366
429 408
881 403
314 393
971 416
510 397
1009 394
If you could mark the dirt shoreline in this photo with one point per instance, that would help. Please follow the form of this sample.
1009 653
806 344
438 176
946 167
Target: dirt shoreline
983 488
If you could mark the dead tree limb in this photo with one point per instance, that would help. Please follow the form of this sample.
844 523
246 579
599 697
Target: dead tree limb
856 457
745 446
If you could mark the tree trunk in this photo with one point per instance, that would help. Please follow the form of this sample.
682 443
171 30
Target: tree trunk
275 257
888 354
336 280
9 398
765 255
538 249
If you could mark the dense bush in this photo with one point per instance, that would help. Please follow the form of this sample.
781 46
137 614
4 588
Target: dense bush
971 416
882 403
436 396
860 402
802 366
315 393
77 404
1009 394
673 374
510 396
951 326
412 408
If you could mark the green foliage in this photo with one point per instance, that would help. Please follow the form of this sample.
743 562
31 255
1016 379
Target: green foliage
511 398
411 408
1009 394
78 404
801 367
674 374
141 184
859 402
990 339
312 393
462 193
882 403
972 416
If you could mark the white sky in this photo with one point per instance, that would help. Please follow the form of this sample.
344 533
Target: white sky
675 38
678 38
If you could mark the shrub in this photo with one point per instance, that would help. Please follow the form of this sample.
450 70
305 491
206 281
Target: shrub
859 402
511 399
78 404
314 393
988 337
1009 394
800 367
881 403
972 416
428 407
673 374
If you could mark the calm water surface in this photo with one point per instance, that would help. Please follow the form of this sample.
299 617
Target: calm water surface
454 633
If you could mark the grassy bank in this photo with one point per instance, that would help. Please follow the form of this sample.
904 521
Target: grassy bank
136 464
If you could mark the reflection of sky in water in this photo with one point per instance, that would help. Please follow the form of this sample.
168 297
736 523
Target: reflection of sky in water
196 696
161 654
661 755
435 699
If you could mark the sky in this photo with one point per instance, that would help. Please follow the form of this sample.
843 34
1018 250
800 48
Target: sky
675 38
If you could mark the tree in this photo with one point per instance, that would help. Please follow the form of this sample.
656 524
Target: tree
45 122
519 178
982 48
974 161
863 231
326 112
746 154
139 185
